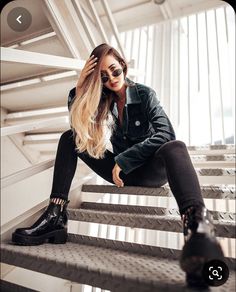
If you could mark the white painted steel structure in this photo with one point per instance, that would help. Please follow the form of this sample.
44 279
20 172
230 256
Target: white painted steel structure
167 46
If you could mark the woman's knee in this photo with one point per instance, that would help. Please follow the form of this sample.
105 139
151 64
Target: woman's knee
66 140
172 146
67 135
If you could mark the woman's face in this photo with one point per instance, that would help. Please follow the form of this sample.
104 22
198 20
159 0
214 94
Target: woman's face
109 67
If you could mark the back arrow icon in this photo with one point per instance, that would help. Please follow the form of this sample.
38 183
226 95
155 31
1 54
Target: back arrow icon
18 19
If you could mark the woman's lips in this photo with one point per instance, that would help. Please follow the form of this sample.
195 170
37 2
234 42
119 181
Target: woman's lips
114 84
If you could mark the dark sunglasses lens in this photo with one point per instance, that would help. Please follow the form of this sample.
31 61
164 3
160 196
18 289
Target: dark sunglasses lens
104 79
117 72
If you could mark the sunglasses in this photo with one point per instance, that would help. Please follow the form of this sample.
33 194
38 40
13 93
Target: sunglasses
115 73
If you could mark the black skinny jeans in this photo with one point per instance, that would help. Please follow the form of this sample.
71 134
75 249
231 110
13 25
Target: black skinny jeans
171 162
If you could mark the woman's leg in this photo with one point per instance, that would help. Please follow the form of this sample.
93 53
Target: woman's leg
172 162
65 166
182 177
200 245
52 224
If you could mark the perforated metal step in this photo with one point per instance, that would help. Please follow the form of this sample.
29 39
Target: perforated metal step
224 157
145 249
123 208
215 171
99 266
210 191
211 149
157 222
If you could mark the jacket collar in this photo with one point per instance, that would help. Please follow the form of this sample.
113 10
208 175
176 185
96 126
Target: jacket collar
132 94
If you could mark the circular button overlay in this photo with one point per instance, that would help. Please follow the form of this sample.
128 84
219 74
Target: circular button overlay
215 273
19 19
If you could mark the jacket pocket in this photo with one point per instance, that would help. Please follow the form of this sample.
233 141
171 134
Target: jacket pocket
138 127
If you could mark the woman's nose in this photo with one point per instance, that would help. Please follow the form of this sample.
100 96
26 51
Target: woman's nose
111 77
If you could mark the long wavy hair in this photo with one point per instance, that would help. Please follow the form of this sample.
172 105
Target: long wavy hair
90 111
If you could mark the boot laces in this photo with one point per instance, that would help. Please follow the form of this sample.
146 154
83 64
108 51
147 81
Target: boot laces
197 219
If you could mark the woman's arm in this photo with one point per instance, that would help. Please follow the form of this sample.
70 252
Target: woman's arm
136 155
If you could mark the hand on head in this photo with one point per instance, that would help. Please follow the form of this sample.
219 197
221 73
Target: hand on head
87 70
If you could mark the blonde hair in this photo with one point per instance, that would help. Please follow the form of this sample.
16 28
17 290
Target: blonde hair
90 111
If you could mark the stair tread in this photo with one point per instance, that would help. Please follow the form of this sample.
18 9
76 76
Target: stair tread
133 247
156 222
208 191
102 267
150 210
215 171
213 157
212 147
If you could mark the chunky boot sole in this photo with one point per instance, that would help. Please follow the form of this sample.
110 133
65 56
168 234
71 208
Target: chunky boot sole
56 236
198 250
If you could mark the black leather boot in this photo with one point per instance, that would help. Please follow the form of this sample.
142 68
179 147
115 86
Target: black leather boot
200 245
50 227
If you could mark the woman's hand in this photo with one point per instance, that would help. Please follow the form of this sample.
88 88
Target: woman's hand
116 176
88 69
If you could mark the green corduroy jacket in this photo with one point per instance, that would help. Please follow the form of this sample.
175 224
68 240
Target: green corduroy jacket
145 126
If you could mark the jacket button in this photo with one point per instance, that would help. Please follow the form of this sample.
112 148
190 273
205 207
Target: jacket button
124 137
137 123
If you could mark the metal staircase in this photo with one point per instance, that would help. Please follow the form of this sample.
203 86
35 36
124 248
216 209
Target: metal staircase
130 265
120 239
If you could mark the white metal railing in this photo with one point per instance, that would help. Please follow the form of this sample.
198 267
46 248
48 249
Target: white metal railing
10 130
25 173
26 57
39 113
193 55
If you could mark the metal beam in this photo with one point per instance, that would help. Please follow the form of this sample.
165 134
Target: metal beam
56 19
84 22
198 59
188 84
166 10
26 57
39 113
178 64
30 154
209 81
113 25
156 18
98 21
10 130
26 173
220 79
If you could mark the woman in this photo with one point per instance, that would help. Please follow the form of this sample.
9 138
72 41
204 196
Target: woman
145 153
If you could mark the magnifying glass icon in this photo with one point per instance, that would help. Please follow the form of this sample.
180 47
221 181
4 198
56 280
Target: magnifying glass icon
215 273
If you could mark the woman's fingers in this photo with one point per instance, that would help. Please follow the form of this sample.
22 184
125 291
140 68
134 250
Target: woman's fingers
117 182
90 65
87 69
91 61
116 178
